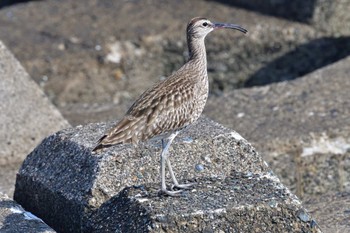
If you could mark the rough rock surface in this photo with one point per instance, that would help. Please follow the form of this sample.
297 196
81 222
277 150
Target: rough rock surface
332 211
330 16
8 177
326 15
14 219
27 116
300 127
117 189
68 48
89 53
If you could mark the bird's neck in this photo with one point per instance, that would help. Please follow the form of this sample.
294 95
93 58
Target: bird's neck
196 48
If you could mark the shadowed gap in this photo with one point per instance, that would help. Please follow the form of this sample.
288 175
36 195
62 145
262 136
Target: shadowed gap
296 10
303 60
5 3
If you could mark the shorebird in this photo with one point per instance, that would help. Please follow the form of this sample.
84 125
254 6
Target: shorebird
170 105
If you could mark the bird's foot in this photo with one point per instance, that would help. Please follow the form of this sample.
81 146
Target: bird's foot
172 193
182 186
176 193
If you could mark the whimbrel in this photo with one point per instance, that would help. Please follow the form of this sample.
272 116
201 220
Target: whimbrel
170 105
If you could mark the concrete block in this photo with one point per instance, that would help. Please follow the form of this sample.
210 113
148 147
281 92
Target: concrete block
27 116
14 219
301 127
116 190
331 16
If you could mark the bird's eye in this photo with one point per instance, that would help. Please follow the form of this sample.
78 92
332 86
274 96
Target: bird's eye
205 24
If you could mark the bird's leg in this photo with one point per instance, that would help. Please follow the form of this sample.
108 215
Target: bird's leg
164 159
175 182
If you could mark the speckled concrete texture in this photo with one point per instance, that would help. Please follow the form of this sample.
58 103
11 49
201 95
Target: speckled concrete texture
332 211
300 127
14 219
27 116
117 189
330 16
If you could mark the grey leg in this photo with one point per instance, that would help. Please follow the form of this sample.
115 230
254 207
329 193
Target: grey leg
164 158
175 182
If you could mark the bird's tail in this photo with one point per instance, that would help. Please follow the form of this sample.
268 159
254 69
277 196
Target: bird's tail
99 145
123 132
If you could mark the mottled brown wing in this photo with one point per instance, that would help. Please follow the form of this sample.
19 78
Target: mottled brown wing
165 107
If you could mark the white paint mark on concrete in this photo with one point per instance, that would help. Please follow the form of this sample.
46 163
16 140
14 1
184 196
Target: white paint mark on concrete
115 54
326 145
141 200
30 216
206 212
119 50
16 210
200 212
237 136
275 108
240 115
27 215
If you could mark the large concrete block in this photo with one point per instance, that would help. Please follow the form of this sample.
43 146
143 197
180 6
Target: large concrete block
14 219
326 15
331 210
26 115
302 127
116 190
331 16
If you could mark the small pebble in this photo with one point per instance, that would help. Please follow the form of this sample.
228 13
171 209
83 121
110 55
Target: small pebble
98 47
248 175
187 140
313 223
303 216
199 167
139 175
273 204
236 187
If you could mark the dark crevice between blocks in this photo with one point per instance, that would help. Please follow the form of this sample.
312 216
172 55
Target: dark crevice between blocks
5 3
303 60
296 10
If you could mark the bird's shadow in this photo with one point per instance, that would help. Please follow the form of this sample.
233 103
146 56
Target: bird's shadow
302 60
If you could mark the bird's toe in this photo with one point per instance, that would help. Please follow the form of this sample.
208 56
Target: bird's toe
171 193
182 186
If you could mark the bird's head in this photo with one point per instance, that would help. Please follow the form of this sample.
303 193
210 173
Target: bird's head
200 27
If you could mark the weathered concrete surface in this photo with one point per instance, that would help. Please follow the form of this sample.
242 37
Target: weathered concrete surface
331 210
27 116
72 58
326 15
8 178
14 219
73 189
331 16
302 127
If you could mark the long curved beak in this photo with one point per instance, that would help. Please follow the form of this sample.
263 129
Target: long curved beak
228 25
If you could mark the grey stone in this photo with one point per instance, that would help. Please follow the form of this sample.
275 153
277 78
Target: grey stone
298 10
14 219
116 190
27 116
326 15
302 127
65 58
332 211
8 178
331 16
